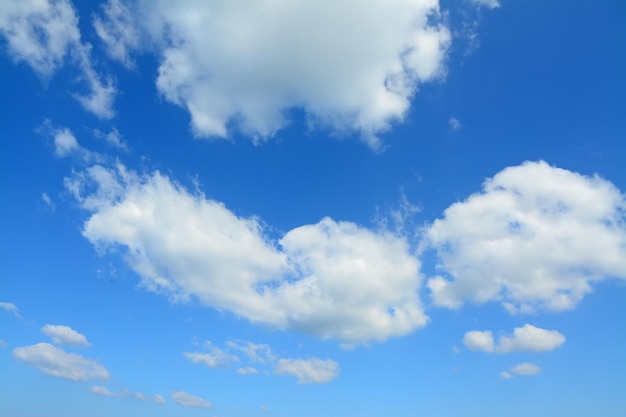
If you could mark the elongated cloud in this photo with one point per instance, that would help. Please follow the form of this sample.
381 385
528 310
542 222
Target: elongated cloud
527 337
523 369
352 66
332 279
188 400
535 237
65 335
45 34
308 371
54 361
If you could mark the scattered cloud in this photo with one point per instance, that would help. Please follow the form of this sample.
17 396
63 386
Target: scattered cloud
535 237
10 307
104 391
214 357
490 4
308 371
113 138
256 352
247 371
65 335
54 361
523 369
336 280
392 47
527 337
479 340
156 398
188 400
454 123
44 34
116 28
46 199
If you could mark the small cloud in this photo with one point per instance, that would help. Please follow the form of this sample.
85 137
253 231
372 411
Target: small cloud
527 337
3 344
65 335
10 307
104 391
213 358
247 371
113 138
256 352
523 369
454 123
53 361
308 371
188 400
264 408
46 199
154 398
455 349
490 4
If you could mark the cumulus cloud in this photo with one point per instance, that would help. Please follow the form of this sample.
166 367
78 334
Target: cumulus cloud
188 400
479 340
10 307
213 356
537 236
54 361
308 371
527 337
44 34
350 66
65 335
333 279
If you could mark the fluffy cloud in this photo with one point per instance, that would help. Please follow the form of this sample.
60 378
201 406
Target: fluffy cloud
10 307
42 34
308 371
188 400
332 279
527 337
65 335
479 340
535 237
351 66
54 361
214 357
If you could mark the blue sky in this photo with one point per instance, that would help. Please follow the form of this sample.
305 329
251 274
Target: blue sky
226 209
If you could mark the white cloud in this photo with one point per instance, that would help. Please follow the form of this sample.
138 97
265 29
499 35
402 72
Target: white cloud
506 375
454 123
527 337
332 279
65 143
526 369
213 358
490 4
479 340
65 335
351 66
247 371
43 34
308 371
116 27
256 352
535 237
113 138
188 400
10 307
46 199
54 361
154 398
104 391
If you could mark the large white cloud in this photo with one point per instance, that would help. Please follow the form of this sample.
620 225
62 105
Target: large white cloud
332 279
65 335
527 337
535 237
54 361
44 34
350 65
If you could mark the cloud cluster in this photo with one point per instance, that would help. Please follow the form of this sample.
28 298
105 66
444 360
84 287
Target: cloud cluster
350 66
44 34
535 237
333 279
527 337
65 335
307 371
54 361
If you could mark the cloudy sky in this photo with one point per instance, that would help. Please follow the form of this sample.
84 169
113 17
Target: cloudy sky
399 207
